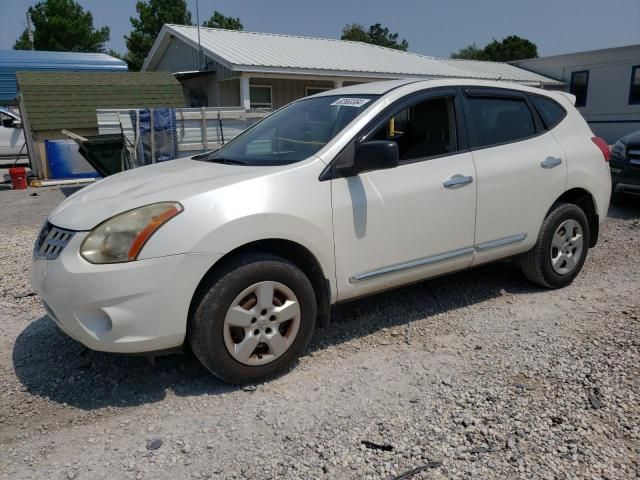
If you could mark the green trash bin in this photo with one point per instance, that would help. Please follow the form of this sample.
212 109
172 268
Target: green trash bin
106 153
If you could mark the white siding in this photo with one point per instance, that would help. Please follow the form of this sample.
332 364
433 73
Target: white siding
607 110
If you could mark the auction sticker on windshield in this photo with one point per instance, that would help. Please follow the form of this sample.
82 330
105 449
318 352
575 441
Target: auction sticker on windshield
350 102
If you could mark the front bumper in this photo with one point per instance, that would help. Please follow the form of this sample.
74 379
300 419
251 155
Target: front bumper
132 307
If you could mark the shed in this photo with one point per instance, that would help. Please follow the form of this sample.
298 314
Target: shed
52 101
263 70
13 61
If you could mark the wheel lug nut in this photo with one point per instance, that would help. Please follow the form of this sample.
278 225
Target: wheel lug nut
268 330
254 320
256 332
263 312
272 318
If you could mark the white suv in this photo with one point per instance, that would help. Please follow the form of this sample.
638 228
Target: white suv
241 252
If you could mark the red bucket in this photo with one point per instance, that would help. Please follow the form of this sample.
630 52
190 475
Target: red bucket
18 177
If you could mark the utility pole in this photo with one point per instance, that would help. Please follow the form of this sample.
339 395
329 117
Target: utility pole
200 56
30 31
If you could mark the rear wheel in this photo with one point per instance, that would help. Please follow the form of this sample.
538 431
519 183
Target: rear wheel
561 249
253 319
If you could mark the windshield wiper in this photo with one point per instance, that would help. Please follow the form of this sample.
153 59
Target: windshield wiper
226 161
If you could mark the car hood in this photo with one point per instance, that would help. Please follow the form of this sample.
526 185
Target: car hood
168 181
632 139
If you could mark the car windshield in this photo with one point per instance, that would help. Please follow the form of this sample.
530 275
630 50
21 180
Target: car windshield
295 132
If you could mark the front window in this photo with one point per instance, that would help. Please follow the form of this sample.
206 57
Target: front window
426 129
295 132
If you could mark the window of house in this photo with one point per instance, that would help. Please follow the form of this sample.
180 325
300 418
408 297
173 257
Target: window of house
260 96
634 91
578 87
499 120
308 91
423 130
550 111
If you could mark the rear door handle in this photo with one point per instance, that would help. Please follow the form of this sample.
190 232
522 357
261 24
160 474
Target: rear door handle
550 162
457 181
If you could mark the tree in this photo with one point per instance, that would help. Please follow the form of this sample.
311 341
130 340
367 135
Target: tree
380 35
471 52
355 32
508 49
152 15
377 35
218 20
64 26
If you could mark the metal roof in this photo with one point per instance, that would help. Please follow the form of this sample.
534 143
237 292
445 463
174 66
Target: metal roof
12 61
273 53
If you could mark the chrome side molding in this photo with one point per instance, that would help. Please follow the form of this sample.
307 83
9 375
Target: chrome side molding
500 242
413 264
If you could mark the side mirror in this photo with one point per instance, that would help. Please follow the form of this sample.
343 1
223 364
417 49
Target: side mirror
17 124
375 155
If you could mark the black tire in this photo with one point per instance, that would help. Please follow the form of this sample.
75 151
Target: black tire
215 296
536 263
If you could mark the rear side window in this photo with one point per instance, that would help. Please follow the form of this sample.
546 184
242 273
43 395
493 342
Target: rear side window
551 113
500 120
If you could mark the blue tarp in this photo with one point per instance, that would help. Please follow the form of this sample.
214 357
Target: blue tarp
165 141
12 61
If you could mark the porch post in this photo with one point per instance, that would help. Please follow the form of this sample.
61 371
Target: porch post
245 101
337 84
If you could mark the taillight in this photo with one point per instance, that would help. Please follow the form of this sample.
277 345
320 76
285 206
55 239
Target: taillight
603 146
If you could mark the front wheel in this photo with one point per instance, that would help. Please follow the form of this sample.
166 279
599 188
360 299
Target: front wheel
561 249
253 319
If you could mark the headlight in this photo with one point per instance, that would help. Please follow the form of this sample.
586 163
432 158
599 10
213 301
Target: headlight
618 149
121 238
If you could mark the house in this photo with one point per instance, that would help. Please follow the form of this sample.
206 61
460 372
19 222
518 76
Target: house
263 70
13 61
606 84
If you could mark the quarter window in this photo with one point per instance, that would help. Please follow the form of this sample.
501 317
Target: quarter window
634 92
260 96
423 130
551 113
579 86
500 120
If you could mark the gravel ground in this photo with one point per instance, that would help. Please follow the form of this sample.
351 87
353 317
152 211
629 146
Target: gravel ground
475 375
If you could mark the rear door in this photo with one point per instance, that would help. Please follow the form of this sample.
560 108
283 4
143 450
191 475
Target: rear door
520 168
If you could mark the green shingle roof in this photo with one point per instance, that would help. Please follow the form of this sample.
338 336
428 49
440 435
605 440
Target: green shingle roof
56 101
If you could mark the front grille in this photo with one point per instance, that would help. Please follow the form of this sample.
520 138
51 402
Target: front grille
51 241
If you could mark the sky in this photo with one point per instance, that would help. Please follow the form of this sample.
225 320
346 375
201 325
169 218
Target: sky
432 27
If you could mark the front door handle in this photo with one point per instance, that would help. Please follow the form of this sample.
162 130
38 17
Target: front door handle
550 162
457 181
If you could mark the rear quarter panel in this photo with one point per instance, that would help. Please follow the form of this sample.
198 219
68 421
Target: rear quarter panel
586 167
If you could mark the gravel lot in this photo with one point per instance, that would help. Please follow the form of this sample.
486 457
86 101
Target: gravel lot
476 375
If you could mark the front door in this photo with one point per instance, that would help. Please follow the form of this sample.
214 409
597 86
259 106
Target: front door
417 220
